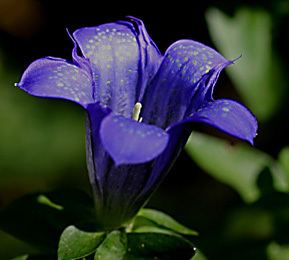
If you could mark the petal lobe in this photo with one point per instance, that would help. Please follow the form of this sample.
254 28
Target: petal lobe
230 117
131 142
56 78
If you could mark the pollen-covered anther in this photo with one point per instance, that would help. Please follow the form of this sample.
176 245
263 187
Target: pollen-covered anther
136 112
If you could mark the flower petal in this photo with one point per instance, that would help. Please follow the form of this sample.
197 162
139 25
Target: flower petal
120 190
115 187
118 53
150 56
186 76
178 136
229 117
96 157
56 78
131 142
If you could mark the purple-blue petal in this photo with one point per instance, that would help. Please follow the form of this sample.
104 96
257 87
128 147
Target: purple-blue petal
79 60
178 136
56 78
115 187
185 78
230 117
96 156
150 56
120 190
130 142
122 61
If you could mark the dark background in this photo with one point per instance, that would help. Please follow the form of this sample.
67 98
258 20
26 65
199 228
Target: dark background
30 29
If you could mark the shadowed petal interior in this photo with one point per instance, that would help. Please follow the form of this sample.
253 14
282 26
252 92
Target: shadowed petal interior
189 69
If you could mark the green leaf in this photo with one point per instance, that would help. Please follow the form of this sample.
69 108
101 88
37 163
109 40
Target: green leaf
40 218
277 252
165 221
113 247
257 74
22 257
154 229
76 244
237 166
283 158
199 256
147 246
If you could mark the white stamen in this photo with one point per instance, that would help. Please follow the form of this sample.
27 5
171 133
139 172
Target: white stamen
136 111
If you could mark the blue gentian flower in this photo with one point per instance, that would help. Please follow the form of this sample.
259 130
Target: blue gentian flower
140 106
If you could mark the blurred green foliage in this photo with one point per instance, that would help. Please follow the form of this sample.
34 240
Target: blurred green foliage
284 158
42 146
258 228
277 252
257 75
40 139
235 165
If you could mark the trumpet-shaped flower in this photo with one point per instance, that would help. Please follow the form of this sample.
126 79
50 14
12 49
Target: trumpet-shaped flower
140 106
